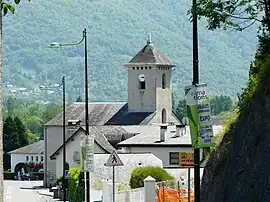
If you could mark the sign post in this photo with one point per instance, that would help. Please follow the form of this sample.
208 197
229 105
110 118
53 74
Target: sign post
114 160
87 158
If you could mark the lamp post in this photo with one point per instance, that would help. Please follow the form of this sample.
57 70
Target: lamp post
57 45
194 82
64 129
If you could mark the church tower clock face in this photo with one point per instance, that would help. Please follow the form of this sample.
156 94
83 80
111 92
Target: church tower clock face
141 77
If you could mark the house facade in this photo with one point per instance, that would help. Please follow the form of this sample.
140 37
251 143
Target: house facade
149 102
30 154
165 142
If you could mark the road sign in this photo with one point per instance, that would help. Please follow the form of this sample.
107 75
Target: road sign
186 160
87 153
114 160
66 174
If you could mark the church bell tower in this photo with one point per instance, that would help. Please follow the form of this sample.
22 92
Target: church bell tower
149 81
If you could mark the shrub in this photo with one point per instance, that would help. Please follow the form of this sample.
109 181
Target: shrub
97 184
122 187
76 185
9 176
139 174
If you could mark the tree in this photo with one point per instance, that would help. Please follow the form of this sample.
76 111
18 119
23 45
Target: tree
181 109
10 105
220 104
21 131
11 139
236 14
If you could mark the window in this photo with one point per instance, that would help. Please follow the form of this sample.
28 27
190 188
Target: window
163 80
27 158
163 116
32 158
36 158
174 158
142 85
42 159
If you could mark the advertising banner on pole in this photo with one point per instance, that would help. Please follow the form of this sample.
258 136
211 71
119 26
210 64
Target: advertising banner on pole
87 153
199 115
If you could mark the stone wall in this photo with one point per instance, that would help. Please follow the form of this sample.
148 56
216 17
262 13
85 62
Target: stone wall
239 168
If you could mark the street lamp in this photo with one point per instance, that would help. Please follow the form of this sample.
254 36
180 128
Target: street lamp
64 128
57 45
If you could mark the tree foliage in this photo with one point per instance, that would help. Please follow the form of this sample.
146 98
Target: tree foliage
140 173
7 7
29 63
236 14
31 114
219 104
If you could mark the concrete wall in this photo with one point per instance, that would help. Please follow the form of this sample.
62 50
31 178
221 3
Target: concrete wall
163 153
53 139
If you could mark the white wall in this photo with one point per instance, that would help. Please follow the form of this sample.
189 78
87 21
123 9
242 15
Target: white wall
53 139
21 158
72 146
161 152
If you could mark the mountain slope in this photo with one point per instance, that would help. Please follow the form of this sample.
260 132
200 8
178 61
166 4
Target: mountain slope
117 30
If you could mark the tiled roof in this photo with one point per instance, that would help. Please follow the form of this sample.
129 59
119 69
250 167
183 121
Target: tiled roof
150 136
103 113
35 148
99 113
150 55
99 133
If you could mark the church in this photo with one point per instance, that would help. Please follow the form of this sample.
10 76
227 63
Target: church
129 127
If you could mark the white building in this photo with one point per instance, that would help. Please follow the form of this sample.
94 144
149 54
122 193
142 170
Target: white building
31 153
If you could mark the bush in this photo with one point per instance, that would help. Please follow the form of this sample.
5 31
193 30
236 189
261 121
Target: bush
9 176
98 184
139 174
123 187
76 185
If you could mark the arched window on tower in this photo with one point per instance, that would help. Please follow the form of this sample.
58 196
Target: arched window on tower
163 80
163 116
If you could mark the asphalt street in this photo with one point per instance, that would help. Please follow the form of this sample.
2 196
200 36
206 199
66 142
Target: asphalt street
20 191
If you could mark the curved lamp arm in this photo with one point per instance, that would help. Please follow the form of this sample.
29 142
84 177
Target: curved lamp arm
57 45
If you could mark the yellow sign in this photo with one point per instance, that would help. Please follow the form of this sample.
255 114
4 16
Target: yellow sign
186 160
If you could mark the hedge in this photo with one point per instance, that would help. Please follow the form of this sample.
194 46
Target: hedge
76 185
9 176
139 174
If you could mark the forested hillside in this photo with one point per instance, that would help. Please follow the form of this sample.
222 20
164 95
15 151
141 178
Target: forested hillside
117 30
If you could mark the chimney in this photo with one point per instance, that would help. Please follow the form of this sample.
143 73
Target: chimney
163 129
73 123
179 130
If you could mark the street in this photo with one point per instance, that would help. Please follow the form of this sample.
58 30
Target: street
14 193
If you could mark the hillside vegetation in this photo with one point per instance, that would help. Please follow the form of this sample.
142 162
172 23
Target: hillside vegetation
117 30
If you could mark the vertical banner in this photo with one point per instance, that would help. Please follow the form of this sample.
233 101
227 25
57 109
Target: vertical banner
87 153
83 151
199 115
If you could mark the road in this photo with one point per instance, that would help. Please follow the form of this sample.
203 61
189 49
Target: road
14 193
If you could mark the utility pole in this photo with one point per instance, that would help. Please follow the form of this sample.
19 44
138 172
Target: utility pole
87 173
64 137
196 81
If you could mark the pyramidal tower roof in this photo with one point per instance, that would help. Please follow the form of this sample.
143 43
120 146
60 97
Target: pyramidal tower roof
150 55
